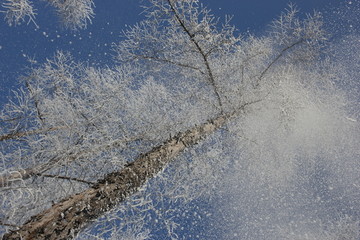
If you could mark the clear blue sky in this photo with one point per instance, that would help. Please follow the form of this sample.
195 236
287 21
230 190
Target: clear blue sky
94 44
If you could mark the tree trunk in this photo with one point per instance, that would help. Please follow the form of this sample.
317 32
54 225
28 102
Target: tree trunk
66 218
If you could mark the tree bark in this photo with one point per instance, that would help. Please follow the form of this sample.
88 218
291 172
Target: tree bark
66 218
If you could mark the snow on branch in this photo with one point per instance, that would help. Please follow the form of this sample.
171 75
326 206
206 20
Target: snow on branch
16 11
74 14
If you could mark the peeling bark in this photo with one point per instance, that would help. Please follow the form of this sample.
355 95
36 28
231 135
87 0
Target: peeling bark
66 218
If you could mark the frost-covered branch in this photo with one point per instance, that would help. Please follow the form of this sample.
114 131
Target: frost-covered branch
303 39
38 170
74 14
18 135
73 213
192 41
16 11
200 50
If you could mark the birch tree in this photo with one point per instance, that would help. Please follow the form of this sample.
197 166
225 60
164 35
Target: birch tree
187 104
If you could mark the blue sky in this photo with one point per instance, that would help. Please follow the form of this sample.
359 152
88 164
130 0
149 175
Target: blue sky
18 44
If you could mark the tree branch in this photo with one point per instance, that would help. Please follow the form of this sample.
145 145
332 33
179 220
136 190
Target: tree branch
28 133
69 216
201 51
8 225
23 174
282 52
36 102
65 178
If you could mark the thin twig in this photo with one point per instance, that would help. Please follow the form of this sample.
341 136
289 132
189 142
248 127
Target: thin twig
8 225
36 102
17 135
277 58
65 178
